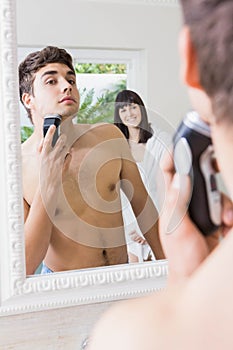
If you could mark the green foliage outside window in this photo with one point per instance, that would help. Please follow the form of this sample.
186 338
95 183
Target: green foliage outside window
103 109
26 131
100 68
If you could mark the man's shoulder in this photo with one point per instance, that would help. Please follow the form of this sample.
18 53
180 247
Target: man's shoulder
28 146
101 130
106 126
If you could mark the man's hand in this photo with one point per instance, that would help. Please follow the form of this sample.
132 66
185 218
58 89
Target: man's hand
137 237
53 161
184 245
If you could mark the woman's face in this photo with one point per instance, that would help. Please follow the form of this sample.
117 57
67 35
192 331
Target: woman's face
130 115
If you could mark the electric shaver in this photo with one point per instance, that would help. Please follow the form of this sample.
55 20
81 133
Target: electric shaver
193 156
52 119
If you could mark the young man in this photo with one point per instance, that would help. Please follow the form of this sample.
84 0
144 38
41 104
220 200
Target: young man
196 309
72 205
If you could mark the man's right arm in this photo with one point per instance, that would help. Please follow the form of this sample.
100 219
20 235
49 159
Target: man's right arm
38 218
37 230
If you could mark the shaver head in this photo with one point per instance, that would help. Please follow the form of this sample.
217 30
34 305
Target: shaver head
194 122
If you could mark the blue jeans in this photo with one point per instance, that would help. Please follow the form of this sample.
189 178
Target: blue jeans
45 269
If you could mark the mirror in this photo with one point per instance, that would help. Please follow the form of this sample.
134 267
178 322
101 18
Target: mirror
18 293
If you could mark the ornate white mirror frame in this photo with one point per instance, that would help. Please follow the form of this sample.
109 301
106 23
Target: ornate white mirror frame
18 293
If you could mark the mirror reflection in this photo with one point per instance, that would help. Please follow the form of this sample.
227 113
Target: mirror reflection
96 181
71 185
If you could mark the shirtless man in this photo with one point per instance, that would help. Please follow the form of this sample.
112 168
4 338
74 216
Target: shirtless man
72 205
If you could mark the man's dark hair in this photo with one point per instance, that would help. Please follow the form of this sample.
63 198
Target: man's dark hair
211 30
36 60
125 98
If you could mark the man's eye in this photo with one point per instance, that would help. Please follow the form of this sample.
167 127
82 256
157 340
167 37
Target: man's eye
72 82
51 81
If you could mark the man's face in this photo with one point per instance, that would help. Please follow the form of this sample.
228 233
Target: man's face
54 91
221 132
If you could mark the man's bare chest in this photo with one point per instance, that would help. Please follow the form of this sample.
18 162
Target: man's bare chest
93 174
91 171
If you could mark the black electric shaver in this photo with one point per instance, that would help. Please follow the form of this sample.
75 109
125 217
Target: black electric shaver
193 155
52 119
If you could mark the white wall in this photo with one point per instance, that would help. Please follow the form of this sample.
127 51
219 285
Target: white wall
85 24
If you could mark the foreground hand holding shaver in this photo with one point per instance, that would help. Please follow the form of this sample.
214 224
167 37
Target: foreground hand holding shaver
193 156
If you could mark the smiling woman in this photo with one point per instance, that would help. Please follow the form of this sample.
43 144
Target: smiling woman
63 297
147 145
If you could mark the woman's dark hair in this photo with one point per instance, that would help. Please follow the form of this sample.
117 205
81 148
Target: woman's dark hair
125 98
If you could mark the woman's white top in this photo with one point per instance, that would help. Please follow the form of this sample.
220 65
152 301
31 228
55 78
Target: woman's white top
152 178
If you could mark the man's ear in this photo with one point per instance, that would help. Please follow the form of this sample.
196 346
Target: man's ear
189 69
26 98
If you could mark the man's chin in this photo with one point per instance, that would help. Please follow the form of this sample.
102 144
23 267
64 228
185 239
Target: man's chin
68 114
